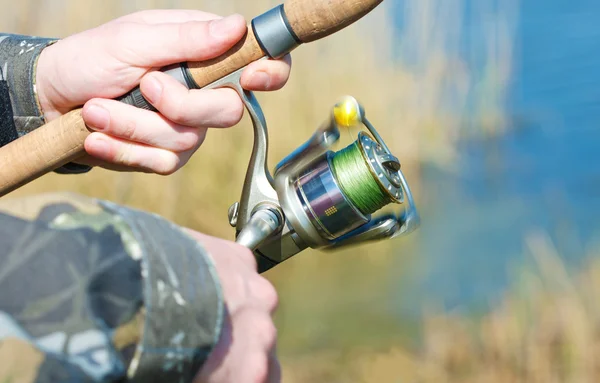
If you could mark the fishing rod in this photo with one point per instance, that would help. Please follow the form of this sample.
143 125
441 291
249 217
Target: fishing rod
316 198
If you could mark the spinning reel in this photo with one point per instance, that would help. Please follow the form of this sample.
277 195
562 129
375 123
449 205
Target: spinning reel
316 197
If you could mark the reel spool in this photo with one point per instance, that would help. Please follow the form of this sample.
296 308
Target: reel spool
341 190
316 197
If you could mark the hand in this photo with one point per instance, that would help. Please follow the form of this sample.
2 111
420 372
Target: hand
246 351
97 65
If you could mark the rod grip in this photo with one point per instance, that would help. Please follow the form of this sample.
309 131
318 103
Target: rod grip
47 148
135 98
314 19
241 54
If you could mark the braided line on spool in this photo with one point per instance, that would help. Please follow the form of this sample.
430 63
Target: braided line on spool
356 180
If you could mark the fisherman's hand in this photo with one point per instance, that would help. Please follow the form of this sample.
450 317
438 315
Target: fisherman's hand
100 64
246 350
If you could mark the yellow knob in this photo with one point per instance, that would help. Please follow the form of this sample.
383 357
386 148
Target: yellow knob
347 112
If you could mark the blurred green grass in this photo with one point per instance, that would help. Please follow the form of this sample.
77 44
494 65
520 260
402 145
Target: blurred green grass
338 304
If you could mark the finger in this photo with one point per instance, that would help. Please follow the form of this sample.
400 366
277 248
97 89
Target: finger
160 16
158 45
127 154
184 157
96 162
260 335
197 107
240 355
263 330
138 125
226 254
267 75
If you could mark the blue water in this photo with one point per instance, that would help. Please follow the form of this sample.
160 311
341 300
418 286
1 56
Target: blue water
544 174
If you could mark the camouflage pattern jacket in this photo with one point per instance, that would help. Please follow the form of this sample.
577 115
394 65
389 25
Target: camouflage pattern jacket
91 291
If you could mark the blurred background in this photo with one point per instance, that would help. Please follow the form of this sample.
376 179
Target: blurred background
492 107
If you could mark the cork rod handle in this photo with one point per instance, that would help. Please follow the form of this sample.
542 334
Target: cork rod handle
314 19
41 151
61 141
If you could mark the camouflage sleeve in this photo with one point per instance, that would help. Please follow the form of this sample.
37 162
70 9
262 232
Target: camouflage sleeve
19 107
95 292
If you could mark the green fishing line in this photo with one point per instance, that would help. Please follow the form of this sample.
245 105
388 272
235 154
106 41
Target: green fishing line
356 180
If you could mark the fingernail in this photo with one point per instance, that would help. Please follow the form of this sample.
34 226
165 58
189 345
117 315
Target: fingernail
223 27
97 117
153 89
98 147
260 80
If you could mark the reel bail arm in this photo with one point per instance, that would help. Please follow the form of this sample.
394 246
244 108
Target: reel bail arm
386 226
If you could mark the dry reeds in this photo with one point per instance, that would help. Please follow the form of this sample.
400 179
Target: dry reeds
546 329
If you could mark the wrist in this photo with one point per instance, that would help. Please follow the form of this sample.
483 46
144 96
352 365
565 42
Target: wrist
47 97
44 85
19 57
183 297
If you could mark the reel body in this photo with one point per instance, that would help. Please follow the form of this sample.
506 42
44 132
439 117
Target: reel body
317 197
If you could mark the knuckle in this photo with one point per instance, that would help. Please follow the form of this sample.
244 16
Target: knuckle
228 108
201 137
174 103
266 293
116 31
264 332
260 367
234 113
166 163
268 333
177 112
128 129
184 144
189 139
186 33
123 156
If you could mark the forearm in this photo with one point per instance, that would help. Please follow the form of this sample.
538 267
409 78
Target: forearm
20 112
93 291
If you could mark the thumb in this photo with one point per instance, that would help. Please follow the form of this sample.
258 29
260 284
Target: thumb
156 45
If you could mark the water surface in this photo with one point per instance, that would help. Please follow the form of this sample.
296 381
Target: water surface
544 174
